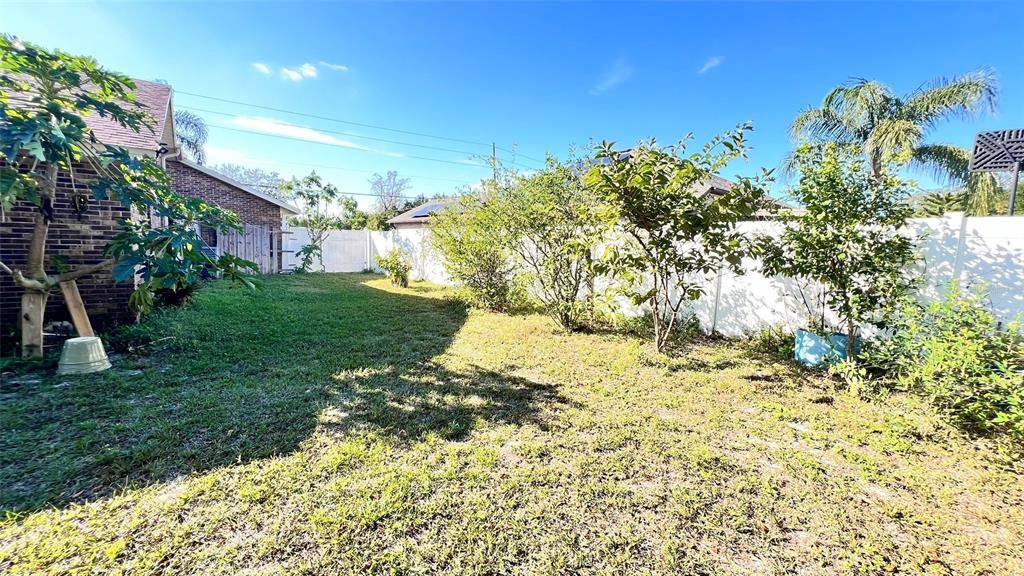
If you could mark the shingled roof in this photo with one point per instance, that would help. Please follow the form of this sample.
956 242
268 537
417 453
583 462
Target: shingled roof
155 99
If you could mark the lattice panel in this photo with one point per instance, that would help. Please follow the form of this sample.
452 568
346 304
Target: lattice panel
997 151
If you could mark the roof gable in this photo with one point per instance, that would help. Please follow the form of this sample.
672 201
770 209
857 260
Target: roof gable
155 100
237 185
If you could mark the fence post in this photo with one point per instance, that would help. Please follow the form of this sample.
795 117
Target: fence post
961 245
718 297
369 248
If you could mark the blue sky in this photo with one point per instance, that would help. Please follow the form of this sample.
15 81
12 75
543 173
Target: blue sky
534 77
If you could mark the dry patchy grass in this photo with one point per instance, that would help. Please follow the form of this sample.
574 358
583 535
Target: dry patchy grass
359 428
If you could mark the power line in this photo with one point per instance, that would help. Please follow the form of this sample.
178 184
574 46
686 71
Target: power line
331 167
255 133
352 135
353 123
253 185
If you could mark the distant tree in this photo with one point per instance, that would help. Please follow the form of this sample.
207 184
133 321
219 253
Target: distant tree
192 134
388 190
263 180
672 234
890 130
937 203
44 100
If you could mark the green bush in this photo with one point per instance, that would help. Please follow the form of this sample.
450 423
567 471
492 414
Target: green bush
470 237
775 342
396 266
956 353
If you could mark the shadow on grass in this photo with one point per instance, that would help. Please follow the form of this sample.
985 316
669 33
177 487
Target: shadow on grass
250 376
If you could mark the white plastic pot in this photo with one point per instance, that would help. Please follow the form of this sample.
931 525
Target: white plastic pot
83 355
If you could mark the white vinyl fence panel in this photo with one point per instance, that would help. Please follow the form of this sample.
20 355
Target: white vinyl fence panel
988 252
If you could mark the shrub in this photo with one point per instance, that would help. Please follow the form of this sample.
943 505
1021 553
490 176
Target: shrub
552 226
955 352
396 266
774 342
673 233
470 237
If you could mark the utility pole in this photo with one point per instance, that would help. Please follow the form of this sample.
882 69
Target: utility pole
494 162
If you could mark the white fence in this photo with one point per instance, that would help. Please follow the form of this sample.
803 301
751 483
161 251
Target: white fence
356 250
987 251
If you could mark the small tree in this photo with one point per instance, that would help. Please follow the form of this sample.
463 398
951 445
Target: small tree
44 99
553 223
851 236
321 215
675 229
470 235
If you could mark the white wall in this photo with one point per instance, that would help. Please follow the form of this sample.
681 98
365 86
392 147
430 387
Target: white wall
987 251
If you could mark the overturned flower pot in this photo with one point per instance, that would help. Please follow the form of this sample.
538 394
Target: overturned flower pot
83 355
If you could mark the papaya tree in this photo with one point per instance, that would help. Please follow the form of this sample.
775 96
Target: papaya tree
45 98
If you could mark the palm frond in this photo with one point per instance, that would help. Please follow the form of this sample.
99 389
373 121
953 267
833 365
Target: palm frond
963 97
944 162
192 133
893 139
821 124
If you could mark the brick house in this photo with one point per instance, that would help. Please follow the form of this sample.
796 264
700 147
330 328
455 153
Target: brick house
82 239
261 214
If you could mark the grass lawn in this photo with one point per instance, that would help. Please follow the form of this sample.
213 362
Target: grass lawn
333 424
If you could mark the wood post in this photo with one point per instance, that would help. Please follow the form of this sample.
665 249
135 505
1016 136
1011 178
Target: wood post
79 316
33 306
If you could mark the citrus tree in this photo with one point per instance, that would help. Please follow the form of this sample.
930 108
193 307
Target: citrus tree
44 100
851 236
675 229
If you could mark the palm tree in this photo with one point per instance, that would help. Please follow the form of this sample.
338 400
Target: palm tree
191 131
891 129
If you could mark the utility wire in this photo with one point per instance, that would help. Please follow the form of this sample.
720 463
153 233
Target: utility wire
352 135
253 185
331 167
255 133
352 123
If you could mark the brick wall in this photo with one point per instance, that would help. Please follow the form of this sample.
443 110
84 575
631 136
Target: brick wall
251 209
81 241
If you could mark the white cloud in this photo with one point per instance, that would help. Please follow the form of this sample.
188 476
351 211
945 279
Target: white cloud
261 67
711 64
282 128
217 155
617 73
335 67
298 73
291 74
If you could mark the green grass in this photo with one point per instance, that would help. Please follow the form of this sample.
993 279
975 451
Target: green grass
331 423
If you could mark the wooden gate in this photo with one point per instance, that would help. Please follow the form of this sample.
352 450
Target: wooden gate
254 242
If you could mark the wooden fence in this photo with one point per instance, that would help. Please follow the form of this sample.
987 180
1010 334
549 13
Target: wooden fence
257 243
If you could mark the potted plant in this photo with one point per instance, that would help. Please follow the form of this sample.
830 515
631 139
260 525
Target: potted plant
850 239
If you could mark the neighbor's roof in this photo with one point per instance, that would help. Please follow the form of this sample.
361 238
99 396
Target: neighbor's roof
155 100
235 184
422 212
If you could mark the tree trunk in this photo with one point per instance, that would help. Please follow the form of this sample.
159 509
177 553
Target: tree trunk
33 302
851 330
33 308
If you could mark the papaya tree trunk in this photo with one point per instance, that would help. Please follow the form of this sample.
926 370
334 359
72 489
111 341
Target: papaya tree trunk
851 330
33 301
